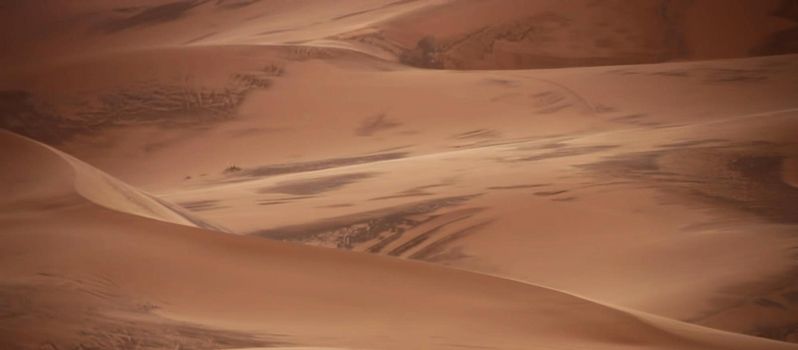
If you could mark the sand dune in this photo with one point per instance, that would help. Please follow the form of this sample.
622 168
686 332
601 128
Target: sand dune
449 185
474 196
87 275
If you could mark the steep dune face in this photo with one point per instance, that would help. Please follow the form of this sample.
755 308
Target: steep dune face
86 272
24 177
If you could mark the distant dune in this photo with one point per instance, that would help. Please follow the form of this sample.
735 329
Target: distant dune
493 34
549 33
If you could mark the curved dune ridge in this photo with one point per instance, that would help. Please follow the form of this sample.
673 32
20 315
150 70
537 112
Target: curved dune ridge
104 190
89 269
101 188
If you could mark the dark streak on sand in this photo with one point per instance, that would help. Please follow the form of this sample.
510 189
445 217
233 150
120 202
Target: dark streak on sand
712 75
339 205
153 15
374 124
282 200
316 185
142 103
266 203
24 115
477 134
550 193
517 187
313 165
357 13
413 192
756 187
198 38
567 152
564 199
201 205
638 119
435 251
234 4
424 236
694 143
371 227
742 176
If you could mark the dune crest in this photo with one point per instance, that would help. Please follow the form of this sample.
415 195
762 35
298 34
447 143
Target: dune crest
94 184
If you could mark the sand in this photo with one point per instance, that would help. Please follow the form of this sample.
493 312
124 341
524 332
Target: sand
243 174
86 267
790 171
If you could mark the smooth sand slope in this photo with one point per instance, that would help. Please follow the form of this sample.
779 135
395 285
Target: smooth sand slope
86 273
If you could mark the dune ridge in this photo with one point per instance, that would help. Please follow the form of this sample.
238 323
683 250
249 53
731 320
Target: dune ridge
104 190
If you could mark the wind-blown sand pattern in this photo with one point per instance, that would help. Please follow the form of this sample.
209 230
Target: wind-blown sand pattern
382 174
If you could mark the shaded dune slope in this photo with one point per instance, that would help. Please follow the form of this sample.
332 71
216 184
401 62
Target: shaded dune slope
86 271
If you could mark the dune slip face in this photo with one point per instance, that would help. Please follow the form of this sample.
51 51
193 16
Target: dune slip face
399 174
